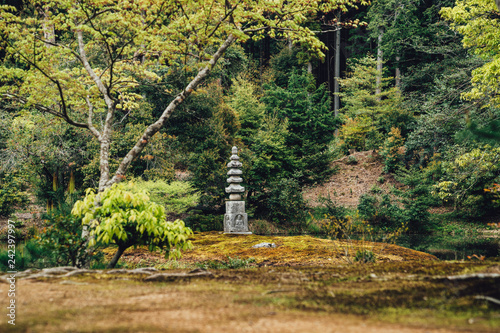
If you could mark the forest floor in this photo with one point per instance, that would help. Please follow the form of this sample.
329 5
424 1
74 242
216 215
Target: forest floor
358 173
281 289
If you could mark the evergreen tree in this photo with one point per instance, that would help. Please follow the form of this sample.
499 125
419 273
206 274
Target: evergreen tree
310 122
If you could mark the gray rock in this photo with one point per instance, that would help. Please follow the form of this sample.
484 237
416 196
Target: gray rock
264 245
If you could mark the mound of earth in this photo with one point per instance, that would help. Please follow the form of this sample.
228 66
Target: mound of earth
359 173
289 250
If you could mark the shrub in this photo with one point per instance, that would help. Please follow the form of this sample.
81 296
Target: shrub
375 189
331 208
177 197
364 256
390 151
354 133
351 160
205 222
209 174
29 254
465 178
380 212
126 217
285 202
62 237
11 194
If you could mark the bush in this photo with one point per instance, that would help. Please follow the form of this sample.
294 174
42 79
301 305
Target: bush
126 217
465 179
208 222
177 197
11 194
208 175
351 160
331 208
364 256
380 212
26 255
62 237
285 202
390 151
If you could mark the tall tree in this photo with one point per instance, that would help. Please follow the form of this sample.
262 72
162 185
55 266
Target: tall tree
83 61
479 22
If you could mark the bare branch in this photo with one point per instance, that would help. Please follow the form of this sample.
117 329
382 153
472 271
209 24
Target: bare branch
90 71
45 109
229 13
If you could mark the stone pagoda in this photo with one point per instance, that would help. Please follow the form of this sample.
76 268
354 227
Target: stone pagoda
235 219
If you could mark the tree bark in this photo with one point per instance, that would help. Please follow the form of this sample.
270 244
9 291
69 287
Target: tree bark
49 34
104 163
336 86
380 59
398 73
116 257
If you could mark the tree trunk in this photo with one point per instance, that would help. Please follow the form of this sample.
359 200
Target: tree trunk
336 86
380 59
117 256
49 34
398 73
104 164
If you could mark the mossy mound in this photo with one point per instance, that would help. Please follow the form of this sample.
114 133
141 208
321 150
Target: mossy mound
291 250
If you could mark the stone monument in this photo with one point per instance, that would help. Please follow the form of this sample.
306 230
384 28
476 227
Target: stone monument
235 219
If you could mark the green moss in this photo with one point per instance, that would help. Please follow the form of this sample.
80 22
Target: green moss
296 250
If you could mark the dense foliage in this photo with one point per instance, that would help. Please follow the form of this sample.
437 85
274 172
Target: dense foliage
179 83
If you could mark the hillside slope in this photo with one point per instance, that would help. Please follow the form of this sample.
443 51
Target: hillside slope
359 173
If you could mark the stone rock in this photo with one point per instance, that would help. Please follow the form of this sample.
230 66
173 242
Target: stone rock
264 245
235 188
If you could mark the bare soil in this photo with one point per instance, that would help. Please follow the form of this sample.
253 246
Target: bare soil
245 300
357 174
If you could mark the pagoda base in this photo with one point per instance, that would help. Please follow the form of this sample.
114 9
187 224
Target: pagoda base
235 219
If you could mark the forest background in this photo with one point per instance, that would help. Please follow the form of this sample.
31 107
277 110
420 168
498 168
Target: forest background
415 82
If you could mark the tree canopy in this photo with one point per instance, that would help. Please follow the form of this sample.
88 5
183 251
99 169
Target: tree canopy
84 61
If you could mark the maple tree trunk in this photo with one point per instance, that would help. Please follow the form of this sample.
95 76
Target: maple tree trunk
104 164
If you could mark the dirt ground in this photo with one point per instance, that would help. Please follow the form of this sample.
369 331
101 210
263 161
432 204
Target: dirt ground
352 180
225 301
